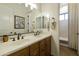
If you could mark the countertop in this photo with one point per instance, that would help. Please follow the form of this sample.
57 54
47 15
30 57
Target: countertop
13 46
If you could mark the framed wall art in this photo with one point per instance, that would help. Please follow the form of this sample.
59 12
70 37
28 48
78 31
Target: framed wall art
19 22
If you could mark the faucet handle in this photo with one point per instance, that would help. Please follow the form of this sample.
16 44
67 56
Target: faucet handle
13 39
22 37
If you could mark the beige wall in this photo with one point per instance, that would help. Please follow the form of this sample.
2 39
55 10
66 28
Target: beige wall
73 23
78 27
53 10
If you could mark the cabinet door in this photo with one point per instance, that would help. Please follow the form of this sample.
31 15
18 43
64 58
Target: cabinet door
23 52
34 49
42 48
48 46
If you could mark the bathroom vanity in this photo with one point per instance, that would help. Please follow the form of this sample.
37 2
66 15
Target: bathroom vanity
42 48
29 46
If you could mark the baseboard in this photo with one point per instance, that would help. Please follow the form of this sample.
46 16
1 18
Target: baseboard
62 41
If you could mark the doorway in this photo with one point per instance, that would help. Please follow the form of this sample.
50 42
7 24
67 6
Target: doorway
65 50
63 24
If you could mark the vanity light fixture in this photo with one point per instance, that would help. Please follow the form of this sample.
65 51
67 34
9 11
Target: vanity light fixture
32 5
52 20
26 5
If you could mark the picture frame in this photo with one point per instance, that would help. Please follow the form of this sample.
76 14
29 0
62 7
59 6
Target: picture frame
19 22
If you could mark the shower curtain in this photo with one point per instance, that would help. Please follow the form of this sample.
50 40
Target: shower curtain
72 25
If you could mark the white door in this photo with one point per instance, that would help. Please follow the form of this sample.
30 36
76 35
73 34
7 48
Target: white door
78 37
78 30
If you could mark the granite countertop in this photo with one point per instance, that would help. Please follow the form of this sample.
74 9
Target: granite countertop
13 46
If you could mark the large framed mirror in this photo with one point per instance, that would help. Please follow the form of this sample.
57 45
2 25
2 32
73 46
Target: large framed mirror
42 22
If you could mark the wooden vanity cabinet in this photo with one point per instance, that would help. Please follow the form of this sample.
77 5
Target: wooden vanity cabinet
41 48
45 47
34 49
22 52
48 46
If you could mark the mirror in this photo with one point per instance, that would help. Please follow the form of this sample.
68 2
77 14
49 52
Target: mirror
39 22
42 22
7 24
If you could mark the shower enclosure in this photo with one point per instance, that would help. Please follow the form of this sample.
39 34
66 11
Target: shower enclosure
63 30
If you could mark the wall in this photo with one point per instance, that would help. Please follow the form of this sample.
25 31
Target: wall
78 27
52 10
73 26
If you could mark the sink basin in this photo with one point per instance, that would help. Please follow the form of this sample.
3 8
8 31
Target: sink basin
26 40
30 37
18 42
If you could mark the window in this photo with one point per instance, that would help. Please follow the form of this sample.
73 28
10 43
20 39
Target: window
66 16
64 13
61 17
64 9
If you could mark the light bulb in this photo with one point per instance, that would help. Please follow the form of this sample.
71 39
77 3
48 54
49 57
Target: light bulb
26 5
